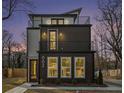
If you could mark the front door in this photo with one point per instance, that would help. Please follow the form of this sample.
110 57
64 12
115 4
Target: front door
33 70
52 40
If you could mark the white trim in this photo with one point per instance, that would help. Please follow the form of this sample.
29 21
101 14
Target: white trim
49 67
48 30
65 67
75 58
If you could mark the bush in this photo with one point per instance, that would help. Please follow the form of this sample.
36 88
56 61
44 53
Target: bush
100 78
58 81
74 81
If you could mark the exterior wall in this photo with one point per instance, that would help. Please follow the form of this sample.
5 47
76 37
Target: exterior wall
33 38
33 42
37 21
74 38
47 20
89 67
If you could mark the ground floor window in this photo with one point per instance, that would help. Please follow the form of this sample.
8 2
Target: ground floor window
52 70
79 67
66 67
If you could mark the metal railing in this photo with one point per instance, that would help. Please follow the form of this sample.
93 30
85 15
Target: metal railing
78 20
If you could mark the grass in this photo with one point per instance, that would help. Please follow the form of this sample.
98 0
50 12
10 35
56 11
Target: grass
9 83
62 91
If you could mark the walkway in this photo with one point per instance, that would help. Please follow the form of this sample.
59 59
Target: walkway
19 89
25 86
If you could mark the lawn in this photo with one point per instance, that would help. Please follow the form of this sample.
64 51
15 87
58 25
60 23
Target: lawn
62 91
9 83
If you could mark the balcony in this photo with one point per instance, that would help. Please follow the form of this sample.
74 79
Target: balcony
79 20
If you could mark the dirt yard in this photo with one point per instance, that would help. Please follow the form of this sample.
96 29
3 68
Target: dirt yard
9 83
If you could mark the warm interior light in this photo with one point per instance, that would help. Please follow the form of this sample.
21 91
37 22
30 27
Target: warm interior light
43 35
48 22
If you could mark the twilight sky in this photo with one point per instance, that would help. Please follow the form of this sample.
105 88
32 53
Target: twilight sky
19 21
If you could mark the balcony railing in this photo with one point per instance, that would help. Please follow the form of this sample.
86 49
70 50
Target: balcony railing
78 20
67 46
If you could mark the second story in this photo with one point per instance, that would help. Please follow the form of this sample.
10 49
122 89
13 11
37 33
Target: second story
59 32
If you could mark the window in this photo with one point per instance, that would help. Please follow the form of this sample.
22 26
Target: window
65 66
53 21
60 21
57 21
53 40
52 70
79 67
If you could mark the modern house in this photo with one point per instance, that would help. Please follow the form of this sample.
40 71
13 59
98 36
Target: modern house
59 48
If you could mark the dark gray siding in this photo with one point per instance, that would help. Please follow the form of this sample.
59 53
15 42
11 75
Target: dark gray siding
75 38
89 67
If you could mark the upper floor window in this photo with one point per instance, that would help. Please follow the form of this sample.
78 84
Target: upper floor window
57 21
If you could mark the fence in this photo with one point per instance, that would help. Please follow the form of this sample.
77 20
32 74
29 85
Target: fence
16 72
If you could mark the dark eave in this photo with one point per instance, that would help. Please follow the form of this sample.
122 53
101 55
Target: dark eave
53 15
66 25
47 52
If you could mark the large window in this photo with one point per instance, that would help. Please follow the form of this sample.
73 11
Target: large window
79 67
53 40
52 70
65 66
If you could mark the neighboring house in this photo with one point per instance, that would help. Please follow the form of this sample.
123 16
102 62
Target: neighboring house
59 48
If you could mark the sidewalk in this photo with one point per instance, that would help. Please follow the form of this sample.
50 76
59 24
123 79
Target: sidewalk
113 82
22 88
109 88
19 89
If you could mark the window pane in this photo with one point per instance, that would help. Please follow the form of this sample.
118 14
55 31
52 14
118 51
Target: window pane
52 67
79 67
54 21
52 36
60 21
52 40
33 69
66 66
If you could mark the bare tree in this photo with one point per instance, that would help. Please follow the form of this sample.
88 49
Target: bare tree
12 6
111 18
7 45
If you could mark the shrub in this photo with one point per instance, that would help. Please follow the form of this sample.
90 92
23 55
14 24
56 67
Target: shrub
100 78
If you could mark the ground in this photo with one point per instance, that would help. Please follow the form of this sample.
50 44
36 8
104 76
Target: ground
9 83
61 91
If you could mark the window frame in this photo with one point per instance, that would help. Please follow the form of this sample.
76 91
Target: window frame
64 67
57 21
75 58
48 67
48 39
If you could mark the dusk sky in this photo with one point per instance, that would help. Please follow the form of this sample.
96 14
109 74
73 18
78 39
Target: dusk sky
18 23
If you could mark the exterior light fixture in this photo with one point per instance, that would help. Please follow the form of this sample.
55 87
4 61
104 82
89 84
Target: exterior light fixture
61 36
44 35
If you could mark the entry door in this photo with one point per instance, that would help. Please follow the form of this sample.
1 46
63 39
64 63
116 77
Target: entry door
33 70
52 40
